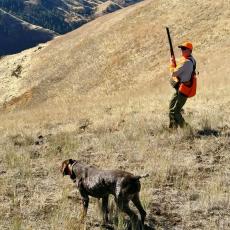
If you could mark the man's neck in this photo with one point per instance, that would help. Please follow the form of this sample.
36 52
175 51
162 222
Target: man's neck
187 56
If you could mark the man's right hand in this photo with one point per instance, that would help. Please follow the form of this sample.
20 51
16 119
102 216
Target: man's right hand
172 65
173 62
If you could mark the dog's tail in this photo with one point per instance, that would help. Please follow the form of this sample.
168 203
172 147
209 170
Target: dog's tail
140 177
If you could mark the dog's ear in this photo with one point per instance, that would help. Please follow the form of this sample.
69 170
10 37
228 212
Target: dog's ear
65 168
71 161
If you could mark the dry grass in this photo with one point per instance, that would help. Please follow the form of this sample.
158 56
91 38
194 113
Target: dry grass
188 185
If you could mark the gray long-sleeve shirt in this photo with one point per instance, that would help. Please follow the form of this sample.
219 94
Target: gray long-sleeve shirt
184 70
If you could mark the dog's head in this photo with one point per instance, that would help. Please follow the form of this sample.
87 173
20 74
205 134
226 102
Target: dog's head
66 167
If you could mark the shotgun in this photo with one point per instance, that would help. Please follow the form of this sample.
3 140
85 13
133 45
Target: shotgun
171 47
174 81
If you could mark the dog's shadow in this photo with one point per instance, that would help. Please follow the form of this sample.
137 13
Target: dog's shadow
107 226
111 227
208 132
147 227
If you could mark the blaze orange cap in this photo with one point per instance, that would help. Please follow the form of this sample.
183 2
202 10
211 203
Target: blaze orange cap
187 44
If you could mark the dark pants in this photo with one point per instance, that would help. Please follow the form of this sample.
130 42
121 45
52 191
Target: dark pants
175 105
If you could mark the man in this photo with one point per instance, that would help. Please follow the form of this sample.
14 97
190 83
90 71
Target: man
180 74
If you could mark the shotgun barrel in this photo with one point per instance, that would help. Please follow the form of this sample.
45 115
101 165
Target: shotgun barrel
170 45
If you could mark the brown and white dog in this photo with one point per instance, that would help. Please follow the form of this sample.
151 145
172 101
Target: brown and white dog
94 182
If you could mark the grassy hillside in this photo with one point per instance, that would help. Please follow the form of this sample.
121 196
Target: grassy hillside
100 94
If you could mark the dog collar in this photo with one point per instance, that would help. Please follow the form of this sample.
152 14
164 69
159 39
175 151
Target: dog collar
73 175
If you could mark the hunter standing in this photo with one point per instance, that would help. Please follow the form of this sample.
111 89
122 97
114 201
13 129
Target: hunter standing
183 79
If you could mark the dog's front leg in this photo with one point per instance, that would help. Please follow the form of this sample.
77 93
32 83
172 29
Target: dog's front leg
84 198
105 209
85 201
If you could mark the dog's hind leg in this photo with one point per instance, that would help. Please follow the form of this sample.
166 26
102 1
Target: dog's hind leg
105 209
124 206
137 203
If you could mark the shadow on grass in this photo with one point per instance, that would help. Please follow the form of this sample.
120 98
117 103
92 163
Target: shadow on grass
209 132
128 227
147 227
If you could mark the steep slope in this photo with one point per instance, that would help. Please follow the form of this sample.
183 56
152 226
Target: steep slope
17 35
100 95
96 59
61 15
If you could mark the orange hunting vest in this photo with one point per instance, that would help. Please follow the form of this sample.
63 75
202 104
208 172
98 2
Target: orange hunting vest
189 88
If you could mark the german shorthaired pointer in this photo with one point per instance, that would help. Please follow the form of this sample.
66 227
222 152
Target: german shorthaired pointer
94 182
